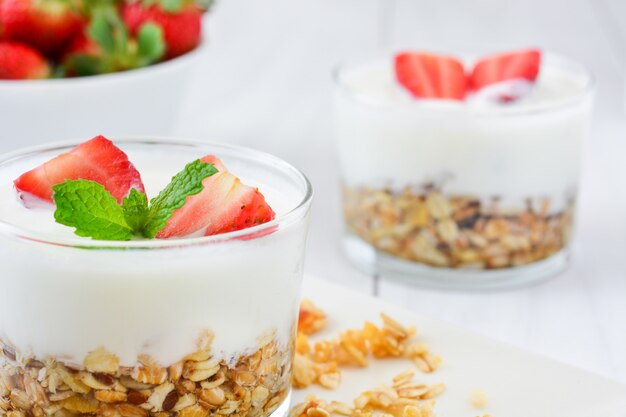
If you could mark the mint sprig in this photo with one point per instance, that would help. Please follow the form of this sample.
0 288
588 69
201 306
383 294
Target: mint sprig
94 212
135 208
91 209
185 183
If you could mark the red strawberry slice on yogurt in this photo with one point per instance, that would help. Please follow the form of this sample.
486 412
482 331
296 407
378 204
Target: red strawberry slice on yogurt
507 76
224 205
96 160
431 76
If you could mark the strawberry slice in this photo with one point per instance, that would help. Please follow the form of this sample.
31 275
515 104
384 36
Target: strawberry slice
97 160
428 75
517 65
224 205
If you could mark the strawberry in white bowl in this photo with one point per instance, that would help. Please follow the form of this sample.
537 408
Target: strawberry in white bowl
75 66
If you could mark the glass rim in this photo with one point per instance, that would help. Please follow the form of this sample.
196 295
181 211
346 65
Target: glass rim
290 217
586 90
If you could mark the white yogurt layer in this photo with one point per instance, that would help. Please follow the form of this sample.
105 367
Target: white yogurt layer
526 149
65 302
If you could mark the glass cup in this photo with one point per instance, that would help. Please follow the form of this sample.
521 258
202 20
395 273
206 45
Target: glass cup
458 194
190 327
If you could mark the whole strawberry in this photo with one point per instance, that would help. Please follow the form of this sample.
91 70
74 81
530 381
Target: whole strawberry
47 25
21 62
104 46
181 22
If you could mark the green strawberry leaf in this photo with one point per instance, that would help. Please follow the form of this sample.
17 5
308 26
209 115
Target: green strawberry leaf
102 33
111 34
135 208
83 65
172 6
186 183
150 43
91 210
205 5
120 32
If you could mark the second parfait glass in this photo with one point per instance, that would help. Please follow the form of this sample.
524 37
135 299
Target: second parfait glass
447 194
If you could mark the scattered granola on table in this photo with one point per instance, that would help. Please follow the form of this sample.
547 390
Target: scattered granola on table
404 398
425 225
478 398
319 363
311 318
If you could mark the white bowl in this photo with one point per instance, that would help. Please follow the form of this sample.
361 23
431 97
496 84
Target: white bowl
143 101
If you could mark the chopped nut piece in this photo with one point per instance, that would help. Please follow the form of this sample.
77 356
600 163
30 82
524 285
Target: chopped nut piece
101 361
259 395
149 375
130 410
330 380
130 383
110 396
228 407
171 399
155 401
60 396
184 401
71 380
175 371
80 404
199 371
136 397
213 396
91 381
193 411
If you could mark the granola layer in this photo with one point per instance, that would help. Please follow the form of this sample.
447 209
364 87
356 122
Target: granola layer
199 385
455 231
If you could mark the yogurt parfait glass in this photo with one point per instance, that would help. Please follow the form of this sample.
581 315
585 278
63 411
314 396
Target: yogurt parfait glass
460 194
193 327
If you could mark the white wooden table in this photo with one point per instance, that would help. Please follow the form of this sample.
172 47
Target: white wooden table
265 83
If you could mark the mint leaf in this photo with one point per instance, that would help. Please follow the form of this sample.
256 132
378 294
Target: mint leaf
91 209
150 43
135 208
186 183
